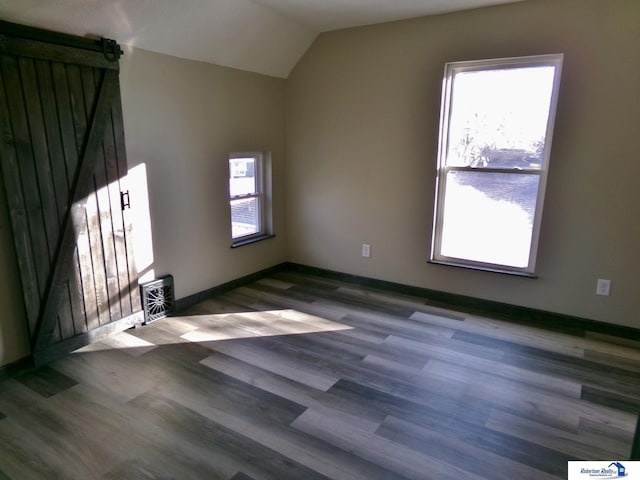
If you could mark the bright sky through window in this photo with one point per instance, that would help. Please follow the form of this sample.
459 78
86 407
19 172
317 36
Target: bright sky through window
506 108
496 121
244 191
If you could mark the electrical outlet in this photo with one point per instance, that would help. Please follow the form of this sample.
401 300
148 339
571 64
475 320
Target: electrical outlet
603 287
366 250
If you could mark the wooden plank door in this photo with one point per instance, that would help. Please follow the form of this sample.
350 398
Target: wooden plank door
64 167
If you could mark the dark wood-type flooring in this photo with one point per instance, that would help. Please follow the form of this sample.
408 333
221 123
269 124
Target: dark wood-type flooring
297 376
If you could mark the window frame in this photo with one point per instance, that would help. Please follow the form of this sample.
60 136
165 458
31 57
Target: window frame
450 70
262 192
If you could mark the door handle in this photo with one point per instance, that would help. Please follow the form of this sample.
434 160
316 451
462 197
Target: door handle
125 201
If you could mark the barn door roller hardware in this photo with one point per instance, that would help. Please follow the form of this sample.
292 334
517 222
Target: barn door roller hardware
109 48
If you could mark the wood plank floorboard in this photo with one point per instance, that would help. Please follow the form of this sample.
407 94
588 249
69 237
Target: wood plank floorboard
242 476
46 381
300 376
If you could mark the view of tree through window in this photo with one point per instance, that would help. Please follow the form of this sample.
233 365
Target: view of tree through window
494 147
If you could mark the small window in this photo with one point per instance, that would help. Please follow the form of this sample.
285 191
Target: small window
496 125
249 197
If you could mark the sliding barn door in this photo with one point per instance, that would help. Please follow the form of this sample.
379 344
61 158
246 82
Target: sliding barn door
64 168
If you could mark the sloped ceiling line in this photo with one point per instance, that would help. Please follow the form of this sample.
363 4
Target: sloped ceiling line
263 36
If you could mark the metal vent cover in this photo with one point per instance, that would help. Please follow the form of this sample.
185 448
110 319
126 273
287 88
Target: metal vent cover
158 299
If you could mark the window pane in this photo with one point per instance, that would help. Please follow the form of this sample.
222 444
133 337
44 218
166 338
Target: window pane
499 117
245 217
488 217
242 178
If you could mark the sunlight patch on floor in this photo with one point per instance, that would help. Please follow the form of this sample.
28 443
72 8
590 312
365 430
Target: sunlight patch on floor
214 327
259 324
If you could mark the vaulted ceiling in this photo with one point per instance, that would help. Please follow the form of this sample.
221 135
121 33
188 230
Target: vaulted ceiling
264 36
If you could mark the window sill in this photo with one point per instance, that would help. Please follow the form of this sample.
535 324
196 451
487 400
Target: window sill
247 241
485 269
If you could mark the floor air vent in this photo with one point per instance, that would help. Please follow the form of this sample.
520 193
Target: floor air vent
158 299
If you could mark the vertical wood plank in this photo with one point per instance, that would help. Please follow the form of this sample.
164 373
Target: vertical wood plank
69 157
76 294
44 173
121 162
37 241
74 138
42 167
68 137
65 318
56 159
93 209
117 220
114 177
16 202
86 266
109 205
51 127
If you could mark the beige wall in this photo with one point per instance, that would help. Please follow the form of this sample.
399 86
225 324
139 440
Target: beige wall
182 118
362 126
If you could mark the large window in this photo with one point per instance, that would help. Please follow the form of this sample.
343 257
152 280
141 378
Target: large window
249 197
496 126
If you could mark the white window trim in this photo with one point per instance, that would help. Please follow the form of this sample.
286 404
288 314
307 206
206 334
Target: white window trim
451 69
263 194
